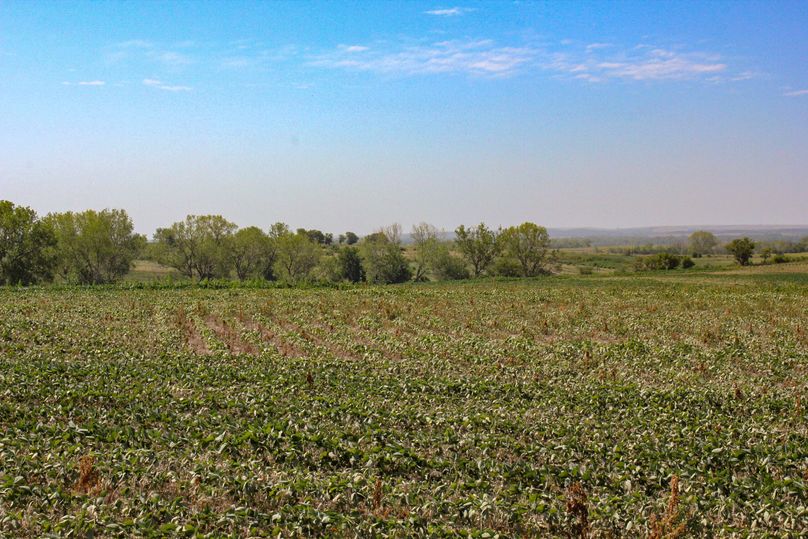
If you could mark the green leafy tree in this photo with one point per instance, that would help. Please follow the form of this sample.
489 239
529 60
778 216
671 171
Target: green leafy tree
528 244
95 247
317 236
351 238
478 245
741 249
252 251
26 246
428 250
296 256
382 258
702 242
200 246
350 264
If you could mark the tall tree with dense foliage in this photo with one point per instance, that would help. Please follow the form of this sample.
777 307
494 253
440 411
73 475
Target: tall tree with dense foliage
26 246
478 245
252 251
350 264
95 247
382 257
741 249
428 250
351 238
528 244
297 255
198 246
702 242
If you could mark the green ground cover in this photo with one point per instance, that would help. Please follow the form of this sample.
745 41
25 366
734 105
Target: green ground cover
514 407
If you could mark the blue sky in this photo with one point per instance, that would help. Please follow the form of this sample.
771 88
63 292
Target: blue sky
355 115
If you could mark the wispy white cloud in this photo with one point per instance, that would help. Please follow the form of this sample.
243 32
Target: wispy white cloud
638 64
353 48
160 85
245 54
482 57
172 58
746 75
449 12
144 50
85 83
592 62
795 93
135 44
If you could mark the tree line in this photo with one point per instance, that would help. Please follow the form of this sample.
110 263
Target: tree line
98 247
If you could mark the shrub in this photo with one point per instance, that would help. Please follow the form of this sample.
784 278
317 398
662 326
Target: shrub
383 260
687 262
507 267
350 265
661 261
451 268
741 249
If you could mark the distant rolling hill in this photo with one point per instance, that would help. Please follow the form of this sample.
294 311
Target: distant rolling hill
651 233
753 231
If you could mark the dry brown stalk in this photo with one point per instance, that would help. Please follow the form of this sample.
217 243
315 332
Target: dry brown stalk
666 527
88 482
577 507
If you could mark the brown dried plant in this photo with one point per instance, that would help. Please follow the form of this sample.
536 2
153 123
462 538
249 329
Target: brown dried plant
667 526
577 507
377 494
89 481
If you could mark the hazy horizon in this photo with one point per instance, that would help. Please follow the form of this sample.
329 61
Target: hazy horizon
352 116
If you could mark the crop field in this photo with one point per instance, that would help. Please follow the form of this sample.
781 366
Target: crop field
583 406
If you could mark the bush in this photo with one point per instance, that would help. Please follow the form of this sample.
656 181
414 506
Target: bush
741 249
687 262
383 260
661 261
350 265
507 267
779 258
451 268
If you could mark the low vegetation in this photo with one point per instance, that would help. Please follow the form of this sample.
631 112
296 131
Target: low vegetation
644 405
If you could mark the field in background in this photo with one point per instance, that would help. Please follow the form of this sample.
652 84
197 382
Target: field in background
521 407
572 262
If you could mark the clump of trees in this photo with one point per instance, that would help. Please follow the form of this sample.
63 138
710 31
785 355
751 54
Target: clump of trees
702 242
297 255
662 261
89 247
95 247
479 246
528 245
200 246
382 257
27 254
515 251
433 257
742 249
